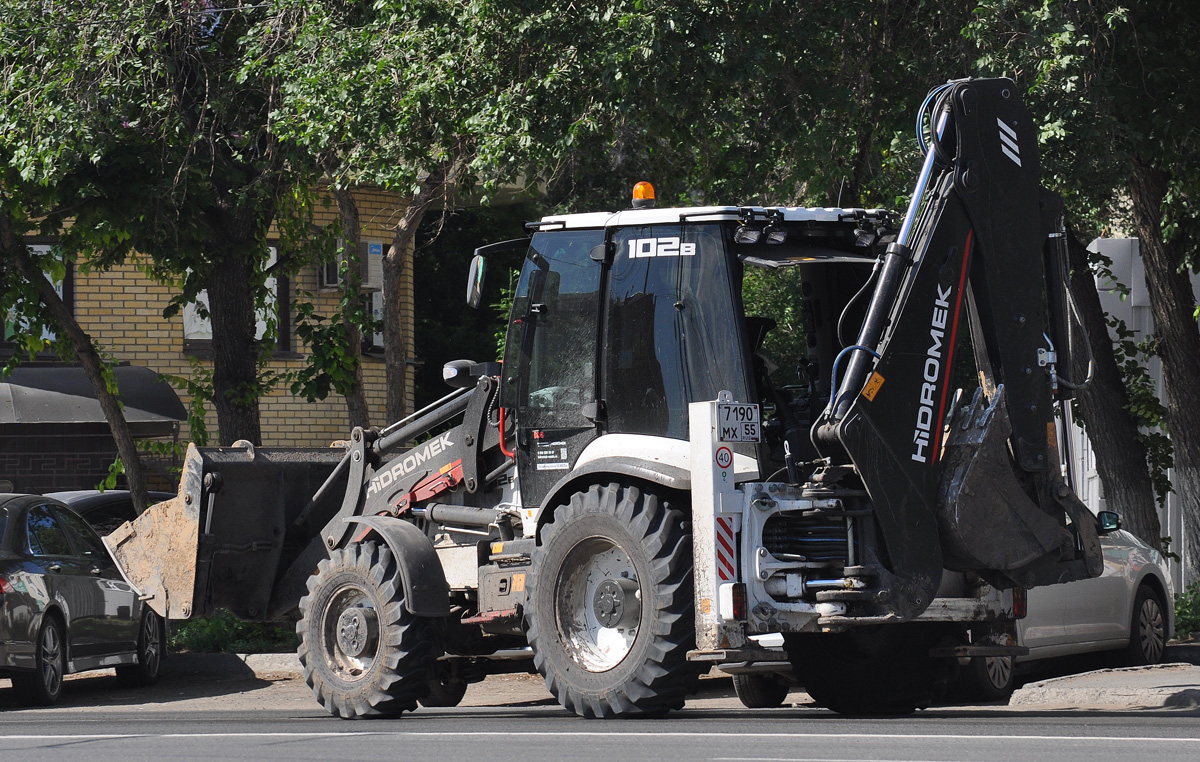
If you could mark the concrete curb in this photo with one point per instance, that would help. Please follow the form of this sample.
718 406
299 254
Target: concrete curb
234 665
1157 687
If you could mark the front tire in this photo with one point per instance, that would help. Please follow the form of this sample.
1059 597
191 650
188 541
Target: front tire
363 653
43 686
611 614
1147 630
151 646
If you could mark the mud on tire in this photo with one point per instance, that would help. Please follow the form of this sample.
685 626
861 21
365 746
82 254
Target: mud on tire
611 614
363 653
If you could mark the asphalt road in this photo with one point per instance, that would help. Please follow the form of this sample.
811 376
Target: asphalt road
196 718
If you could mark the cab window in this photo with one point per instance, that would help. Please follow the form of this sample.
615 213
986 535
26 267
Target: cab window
550 352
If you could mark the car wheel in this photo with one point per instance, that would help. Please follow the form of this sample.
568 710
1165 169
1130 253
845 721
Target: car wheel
760 691
364 654
1147 631
43 685
611 614
151 647
989 678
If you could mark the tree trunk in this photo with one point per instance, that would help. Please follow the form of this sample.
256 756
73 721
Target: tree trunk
395 355
356 395
234 345
89 358
1172 305
1103 407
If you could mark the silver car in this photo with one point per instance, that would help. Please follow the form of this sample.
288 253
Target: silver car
1129 609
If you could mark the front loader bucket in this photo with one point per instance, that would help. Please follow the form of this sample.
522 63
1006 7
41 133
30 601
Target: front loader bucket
243 517
989 522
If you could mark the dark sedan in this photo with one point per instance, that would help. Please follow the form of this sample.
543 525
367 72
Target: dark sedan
65 606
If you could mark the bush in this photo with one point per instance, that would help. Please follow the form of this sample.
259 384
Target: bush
225 633
1187 611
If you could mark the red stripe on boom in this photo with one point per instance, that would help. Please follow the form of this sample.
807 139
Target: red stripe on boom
962 280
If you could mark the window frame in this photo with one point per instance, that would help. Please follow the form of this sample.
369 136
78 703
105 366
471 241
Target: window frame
203 347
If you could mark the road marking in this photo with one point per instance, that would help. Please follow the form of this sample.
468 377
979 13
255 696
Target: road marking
610 734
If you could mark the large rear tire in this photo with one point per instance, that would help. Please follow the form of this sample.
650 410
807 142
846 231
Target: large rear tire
611 614
363 653
876 670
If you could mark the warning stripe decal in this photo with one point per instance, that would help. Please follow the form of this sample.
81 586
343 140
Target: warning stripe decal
726 556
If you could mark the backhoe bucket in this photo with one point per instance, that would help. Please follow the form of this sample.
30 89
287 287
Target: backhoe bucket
989 521
244 516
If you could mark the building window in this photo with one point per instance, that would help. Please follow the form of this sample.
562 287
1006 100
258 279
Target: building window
329 279
197 329
14 323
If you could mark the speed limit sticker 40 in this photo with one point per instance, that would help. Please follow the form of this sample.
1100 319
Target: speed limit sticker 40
738 422
724 457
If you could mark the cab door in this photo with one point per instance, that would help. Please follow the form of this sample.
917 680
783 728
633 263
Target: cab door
550 357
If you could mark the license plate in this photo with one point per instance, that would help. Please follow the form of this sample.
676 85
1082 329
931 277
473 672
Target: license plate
738 423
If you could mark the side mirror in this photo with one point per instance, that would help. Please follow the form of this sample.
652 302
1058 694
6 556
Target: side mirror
475 280
1108 521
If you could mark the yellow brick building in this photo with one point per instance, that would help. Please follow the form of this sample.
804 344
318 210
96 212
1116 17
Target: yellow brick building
122 310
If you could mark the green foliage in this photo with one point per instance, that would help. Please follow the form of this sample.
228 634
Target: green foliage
225 633
197 385
1187 611
331 366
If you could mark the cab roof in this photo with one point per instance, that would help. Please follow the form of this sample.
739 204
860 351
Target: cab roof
633 217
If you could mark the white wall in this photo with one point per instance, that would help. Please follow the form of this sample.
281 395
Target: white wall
1135 311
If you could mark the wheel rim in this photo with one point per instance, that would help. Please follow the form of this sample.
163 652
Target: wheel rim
52 672
151 643
598 586
350 634
1151 630
999 671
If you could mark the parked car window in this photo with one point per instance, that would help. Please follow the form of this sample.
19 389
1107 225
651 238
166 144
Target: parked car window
104 519
87 541
43 535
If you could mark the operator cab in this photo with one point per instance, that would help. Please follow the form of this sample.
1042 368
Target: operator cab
620 320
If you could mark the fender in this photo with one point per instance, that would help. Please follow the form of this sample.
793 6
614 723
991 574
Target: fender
425 590
672 477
